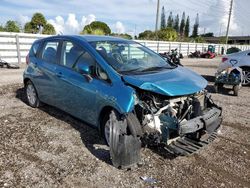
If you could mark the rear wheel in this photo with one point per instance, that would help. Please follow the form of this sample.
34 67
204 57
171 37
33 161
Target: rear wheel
246 76
31 94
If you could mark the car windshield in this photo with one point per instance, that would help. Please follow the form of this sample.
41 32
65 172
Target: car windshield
129 56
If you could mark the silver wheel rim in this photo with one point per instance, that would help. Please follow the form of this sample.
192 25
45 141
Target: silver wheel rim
107 130
31 94
246 77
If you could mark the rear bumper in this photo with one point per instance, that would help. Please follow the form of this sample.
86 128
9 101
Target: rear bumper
209 122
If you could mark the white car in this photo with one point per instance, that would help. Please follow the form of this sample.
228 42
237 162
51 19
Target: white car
239 59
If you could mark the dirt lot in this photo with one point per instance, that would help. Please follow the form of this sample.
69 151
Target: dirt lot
47 148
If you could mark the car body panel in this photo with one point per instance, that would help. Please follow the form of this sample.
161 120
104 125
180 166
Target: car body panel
170 82
43 76
239 59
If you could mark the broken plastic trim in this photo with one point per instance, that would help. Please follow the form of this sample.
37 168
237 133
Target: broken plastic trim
210 121
125 143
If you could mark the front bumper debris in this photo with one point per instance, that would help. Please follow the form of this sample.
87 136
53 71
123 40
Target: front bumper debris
210 121
184 146
125 148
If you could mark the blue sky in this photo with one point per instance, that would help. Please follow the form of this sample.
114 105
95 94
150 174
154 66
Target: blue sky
70 16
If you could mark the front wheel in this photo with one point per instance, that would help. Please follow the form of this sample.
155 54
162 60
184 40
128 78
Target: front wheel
31 94
246 77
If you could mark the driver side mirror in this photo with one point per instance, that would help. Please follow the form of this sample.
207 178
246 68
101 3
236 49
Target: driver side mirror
85 70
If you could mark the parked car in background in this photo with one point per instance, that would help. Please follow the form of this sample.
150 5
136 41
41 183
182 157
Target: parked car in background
233 50
239 59
130 93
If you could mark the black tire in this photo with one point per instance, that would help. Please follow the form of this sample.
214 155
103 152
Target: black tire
133 125
236 90
31 95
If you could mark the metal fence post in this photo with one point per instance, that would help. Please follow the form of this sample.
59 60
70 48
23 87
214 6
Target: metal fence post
158 43
188 50
18 50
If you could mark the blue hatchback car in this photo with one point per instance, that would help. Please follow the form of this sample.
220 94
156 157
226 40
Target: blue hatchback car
130 93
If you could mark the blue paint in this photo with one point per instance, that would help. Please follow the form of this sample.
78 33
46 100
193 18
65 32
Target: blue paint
70 91
170 82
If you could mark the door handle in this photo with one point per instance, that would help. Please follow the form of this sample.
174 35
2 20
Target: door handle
59 74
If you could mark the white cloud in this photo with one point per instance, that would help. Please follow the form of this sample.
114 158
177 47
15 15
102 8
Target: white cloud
58 24
216 19
213 13
119 27
224 19
23 19
71 25
90 18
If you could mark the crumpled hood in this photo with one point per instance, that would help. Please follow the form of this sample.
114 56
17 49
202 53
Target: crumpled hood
171 82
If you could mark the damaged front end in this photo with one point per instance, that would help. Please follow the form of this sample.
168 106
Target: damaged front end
166 119
181 124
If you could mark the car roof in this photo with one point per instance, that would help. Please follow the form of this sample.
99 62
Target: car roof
239 53
87 38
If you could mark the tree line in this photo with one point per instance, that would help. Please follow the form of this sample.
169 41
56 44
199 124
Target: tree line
171 29
174 29
39 24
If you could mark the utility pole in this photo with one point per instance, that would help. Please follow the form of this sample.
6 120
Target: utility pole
157 15
229 18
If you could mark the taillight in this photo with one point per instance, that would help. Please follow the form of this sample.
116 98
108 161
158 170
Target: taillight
224 59
27 59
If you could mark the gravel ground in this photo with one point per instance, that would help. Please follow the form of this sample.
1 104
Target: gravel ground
46 147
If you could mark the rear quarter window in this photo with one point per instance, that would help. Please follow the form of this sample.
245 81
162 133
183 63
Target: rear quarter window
34 49
49 51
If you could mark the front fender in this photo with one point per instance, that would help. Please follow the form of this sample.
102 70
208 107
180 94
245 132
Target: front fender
120 97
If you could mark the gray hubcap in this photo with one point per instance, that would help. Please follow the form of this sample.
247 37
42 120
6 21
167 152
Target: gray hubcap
107 131
31 94
246 77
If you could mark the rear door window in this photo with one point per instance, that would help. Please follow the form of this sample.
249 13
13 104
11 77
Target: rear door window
49 53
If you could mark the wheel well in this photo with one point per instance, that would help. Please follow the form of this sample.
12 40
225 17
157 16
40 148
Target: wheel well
104 111
245 67
25 81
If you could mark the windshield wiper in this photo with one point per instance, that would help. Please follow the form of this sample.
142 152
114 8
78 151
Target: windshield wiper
131 70
156 68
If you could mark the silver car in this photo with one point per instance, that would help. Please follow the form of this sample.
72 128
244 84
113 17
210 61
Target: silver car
239 59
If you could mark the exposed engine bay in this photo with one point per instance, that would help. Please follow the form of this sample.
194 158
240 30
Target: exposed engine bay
179 123
165 118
